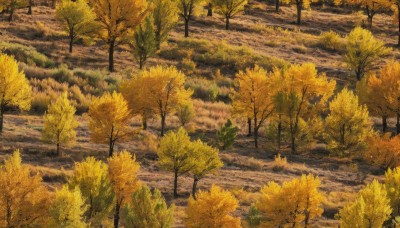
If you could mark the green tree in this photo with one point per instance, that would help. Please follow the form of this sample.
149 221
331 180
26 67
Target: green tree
175 155
144 43
148 210
59 123
229 8
67 209
165 16
187 8
226 135
363 51
78 19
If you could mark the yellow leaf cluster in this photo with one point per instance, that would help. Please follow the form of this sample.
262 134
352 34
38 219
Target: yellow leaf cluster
212 210
383 151
370 209
392 185
24 199
293 203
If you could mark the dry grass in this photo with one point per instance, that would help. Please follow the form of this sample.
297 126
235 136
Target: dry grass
280 163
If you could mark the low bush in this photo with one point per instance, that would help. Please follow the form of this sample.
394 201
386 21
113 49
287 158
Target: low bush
26 54
331 41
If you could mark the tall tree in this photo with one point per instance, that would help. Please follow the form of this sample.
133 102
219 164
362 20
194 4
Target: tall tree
117 19
14 87
370 209
229 8
175 154
305 94
363 51
300 5
11 6
166 91
78 19
207 162
148 210
144 43
59 123
212 209
254 97
122 171
67 209
165 16
347 125
392 185
91 177
187 9
109 118
24 199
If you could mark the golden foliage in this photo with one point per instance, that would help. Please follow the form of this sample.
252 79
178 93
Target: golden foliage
370 209
392 185
292 203
24 199
383 151
212 210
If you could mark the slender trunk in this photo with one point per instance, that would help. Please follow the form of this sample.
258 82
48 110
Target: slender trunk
358 73
293 144
176 184
11 16
255 133
299 5
141 63
58 150
111 56
279 132
227 23
111 148
194 189
144 122
342 133
398 123
398 18
1 118
209 10
30 7
71 41
116 215
158 39
370 22
384 124
162 124
249 124
277 6
186 27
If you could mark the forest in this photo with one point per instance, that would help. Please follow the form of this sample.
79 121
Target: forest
199 113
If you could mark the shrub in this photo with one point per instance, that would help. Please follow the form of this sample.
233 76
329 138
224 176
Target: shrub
185 113
383 151
226 135
253 217
279 163
26 54
331 41
203 89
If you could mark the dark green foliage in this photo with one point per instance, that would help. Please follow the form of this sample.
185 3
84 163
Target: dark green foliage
226 135
253 217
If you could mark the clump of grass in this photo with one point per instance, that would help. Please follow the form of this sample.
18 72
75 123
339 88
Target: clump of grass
331 41
26 54
300 49
280 163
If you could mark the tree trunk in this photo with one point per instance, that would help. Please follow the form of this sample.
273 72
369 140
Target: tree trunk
11 16
277 6
162 125
384 124
209 10
279 132
71 41
227 23
158 39
194 189
116 215
59 153
255 133
398 123
111 148
144 123
293 143
176 184
1 119
186 27
111 56
370 22
249 124
30 7
342 133
141 63
298 4
398 18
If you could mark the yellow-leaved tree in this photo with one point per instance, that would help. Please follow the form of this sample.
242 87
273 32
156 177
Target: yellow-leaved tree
392 185
212 209
176 155
91 178
229 8
295 202
383 151
148 209
370 209
207 162
24 199
122 171
165 91
363 51
304 93
14 87
117 19
109 118
187 9
77 18
347 124
300 5
60 125
254 97
67 209
165 16
10 6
